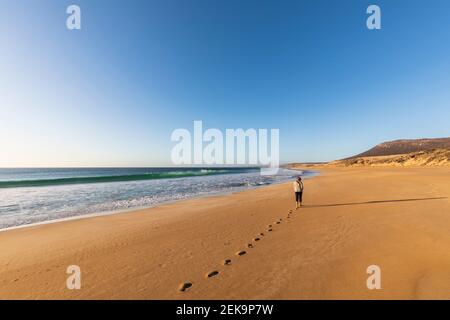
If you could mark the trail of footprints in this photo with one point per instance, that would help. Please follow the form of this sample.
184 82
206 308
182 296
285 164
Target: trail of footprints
228 262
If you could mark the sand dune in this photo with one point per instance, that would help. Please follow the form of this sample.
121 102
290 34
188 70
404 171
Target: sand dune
435 157
251 245
404 146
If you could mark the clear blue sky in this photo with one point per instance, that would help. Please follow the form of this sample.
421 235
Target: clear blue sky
112 93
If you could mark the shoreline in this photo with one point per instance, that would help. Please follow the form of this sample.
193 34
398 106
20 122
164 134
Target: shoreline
309 174
129 210
352 218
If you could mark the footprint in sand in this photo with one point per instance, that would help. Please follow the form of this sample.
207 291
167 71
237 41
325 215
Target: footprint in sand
212 274
185 286
256 239
227 262
249 245
269 230
241 253
278 222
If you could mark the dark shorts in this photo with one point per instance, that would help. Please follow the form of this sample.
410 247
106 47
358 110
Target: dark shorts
298 196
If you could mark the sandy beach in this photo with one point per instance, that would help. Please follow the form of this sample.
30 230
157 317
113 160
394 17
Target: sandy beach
396 218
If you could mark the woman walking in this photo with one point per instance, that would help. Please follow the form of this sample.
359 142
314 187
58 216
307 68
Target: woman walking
298 189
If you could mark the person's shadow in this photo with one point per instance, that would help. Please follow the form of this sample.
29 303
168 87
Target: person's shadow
370 202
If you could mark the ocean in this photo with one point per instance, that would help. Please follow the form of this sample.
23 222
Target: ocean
29 196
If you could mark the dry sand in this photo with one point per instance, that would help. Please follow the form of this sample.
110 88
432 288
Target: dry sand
396 218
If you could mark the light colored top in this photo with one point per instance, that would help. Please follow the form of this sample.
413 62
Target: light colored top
298 186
